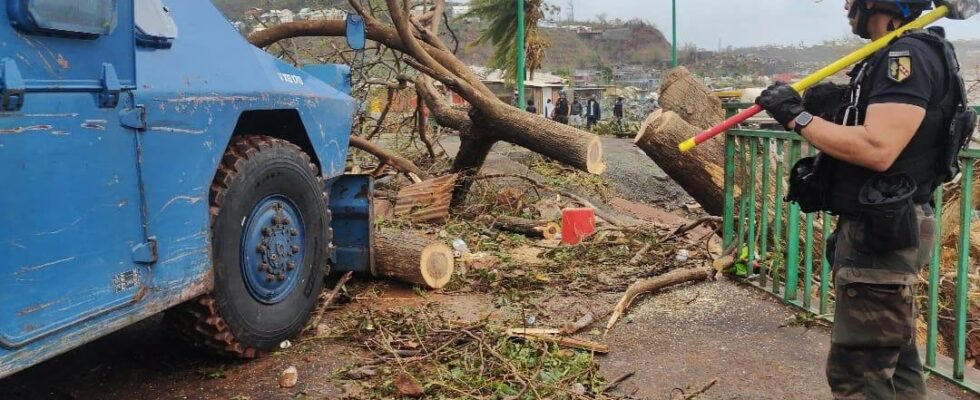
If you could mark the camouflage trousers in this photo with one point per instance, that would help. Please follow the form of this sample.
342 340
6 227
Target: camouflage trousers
873 351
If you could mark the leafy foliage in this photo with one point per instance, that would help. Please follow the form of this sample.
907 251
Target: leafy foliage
501 32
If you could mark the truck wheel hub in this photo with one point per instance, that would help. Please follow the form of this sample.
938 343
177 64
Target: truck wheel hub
272 248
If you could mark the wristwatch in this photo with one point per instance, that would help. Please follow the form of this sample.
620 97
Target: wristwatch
802 121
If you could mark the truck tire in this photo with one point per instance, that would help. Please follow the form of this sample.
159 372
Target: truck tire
270 231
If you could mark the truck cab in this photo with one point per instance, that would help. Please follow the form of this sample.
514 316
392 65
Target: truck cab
153 160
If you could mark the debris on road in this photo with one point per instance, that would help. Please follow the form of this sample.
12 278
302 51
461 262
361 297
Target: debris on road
653 284
289 377
572 328
408 386
553 336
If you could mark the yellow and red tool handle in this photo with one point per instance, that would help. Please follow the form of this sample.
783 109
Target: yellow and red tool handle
851 59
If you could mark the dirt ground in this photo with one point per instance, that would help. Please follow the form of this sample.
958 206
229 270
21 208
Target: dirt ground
681 339
674 342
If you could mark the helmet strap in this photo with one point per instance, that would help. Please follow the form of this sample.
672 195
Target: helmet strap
864 15
859 8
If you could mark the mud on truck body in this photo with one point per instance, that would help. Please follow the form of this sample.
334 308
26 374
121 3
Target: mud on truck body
152 160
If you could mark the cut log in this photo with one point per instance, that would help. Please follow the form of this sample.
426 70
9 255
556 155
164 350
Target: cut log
528 227
683 94
700 172
408 257
428 201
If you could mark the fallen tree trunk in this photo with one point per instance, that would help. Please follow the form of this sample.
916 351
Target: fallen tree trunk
495 119
700 172
408 257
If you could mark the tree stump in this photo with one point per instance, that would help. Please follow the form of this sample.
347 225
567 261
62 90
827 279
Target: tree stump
408 257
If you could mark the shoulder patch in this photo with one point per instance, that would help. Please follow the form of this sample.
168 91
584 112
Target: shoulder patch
899 65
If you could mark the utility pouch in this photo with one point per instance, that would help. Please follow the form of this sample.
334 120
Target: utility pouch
888 213
964 123
874 308
808 184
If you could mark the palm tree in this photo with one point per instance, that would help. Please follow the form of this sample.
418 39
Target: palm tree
502 33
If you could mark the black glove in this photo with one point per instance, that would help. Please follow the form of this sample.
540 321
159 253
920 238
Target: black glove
782 103
825 100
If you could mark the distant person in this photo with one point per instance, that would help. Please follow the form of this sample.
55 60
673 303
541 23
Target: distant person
618 108
530 107
618 113
576 115
549 109
593 112
562 109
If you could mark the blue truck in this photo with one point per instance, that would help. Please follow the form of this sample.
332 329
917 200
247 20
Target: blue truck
152 160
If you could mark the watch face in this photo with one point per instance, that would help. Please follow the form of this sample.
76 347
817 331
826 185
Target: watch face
804 119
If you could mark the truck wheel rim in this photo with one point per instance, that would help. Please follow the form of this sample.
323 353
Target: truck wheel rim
272 249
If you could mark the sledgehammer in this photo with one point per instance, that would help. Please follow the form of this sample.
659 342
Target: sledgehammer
952 9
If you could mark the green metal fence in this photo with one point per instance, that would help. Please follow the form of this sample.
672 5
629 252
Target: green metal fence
778 239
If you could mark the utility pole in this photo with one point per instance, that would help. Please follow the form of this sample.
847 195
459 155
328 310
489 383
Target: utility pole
673 26
521 74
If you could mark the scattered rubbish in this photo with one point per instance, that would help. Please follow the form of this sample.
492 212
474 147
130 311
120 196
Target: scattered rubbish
531 319
460 248
682 255
285 344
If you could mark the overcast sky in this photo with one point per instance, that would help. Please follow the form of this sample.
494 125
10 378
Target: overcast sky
744 22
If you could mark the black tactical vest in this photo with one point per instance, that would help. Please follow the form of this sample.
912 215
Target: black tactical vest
920 158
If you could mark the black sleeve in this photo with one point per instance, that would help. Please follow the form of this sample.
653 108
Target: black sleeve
907 74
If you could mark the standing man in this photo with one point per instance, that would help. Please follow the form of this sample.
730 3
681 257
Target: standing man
885 148
593 112
576 113
562 109
549 109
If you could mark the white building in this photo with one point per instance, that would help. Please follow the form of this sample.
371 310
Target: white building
321 15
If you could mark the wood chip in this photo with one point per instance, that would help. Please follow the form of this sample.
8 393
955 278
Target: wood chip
362 372
408 386
288 377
